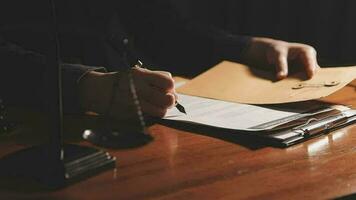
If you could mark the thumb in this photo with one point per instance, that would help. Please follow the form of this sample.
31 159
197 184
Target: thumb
168 74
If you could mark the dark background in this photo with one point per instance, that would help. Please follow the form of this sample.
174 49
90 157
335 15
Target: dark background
328 25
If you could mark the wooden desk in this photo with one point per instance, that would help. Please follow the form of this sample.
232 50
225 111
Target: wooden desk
193 165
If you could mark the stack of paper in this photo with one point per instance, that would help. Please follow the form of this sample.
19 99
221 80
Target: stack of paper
223 96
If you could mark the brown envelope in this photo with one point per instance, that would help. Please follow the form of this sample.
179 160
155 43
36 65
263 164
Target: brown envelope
238 83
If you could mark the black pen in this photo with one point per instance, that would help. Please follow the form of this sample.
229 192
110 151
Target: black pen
114 42
177 105
180 108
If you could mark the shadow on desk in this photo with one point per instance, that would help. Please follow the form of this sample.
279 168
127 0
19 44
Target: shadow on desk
21 186
249 141
347 197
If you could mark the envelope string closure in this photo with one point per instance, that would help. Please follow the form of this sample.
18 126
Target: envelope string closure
316 85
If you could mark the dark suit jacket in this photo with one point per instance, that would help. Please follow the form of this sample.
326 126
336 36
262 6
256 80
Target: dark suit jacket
161 37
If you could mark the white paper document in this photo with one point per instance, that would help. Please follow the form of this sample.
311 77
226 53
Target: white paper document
234 116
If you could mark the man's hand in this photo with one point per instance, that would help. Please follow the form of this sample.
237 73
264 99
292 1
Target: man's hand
282 56
155 90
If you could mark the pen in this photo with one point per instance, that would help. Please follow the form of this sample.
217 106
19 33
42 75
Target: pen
115 43
177 105
180 108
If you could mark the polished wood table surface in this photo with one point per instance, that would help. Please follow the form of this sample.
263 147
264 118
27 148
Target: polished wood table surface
198 164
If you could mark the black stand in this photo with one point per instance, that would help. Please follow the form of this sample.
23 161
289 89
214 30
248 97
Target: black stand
126 136
5 126
34 163
55 164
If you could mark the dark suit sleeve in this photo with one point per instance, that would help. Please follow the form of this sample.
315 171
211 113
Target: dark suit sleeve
172 40
22 78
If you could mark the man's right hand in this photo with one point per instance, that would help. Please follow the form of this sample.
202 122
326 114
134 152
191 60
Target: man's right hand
155 91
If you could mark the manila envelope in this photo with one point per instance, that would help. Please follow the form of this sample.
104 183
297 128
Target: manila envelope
238 83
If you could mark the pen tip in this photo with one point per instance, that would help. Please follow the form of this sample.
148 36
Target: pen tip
181 108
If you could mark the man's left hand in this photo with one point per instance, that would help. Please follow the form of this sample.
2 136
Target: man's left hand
281 55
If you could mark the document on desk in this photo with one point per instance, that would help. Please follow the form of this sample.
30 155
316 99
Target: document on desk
236 116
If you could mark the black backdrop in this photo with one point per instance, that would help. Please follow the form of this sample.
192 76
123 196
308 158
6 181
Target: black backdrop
328 25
